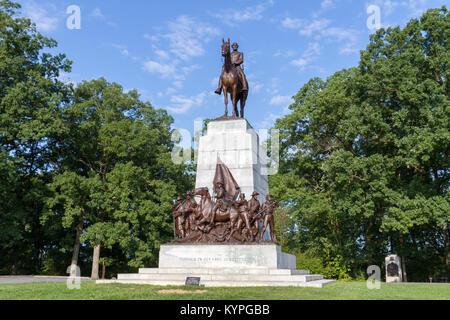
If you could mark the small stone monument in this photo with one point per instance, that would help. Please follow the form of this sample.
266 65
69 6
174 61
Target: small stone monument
393 269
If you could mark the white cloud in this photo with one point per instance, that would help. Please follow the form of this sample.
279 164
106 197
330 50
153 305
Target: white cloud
186 37
321 29
151 38
281 100
97 13
40 16
170 91
290 23
326 4
122 49
164 70
183 104
233 16
178 84
162 54
414 7
256 87
301 62
310 54
215 82
348 37
189 69
312 51
315 26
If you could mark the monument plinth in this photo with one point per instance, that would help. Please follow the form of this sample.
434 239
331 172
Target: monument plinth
237 144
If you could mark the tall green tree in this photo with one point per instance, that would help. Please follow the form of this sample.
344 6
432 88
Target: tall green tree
365 166
30 100
117 179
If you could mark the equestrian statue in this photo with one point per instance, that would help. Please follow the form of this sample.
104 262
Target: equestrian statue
233 80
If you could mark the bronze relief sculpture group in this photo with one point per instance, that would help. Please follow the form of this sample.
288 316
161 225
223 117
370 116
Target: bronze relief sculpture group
230 218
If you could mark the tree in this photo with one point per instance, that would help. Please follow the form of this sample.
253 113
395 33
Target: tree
364 167
117 179
30 100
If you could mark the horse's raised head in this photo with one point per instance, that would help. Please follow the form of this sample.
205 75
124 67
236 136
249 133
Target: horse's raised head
225 47
201 191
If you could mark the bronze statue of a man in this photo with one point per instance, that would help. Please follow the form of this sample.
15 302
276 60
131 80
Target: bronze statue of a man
253 208
179 218
268 209
220 191
237 59
221 208
244 215
189 208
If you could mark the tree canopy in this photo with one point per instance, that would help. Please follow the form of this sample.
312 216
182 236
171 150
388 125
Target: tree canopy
365 167
81 167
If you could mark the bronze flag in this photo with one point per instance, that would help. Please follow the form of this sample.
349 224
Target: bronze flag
223 175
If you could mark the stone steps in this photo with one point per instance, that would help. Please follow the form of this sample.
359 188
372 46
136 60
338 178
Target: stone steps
208 271
226 265
221 277
222 283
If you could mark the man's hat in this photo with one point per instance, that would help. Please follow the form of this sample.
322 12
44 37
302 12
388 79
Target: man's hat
255 194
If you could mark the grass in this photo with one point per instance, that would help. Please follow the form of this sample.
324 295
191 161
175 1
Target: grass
337 291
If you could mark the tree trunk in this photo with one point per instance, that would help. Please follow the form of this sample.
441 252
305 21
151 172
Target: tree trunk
446 250
95 261
405 279
403 262
76 250
103 270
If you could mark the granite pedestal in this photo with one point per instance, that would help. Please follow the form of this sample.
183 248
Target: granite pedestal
224 266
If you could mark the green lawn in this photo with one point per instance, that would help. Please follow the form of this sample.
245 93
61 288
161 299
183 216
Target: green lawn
338 291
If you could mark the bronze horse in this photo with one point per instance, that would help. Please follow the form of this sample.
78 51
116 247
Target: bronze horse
205 210
231 83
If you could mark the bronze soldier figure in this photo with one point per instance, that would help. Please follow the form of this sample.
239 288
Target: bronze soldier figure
179 218
189 209
220 191
268 208
220 208
242 207
253 207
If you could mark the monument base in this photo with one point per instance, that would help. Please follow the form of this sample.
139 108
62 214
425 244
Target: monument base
225 256
224 266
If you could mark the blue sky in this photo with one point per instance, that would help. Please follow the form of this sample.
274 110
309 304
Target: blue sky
170 50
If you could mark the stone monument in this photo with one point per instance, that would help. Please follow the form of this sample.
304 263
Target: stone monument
224 229
393 269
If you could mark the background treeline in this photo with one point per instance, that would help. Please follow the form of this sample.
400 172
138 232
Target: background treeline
86 172
365 168
86 176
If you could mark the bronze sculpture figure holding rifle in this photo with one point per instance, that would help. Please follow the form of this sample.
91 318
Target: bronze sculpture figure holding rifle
268 210
253 208
179 219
